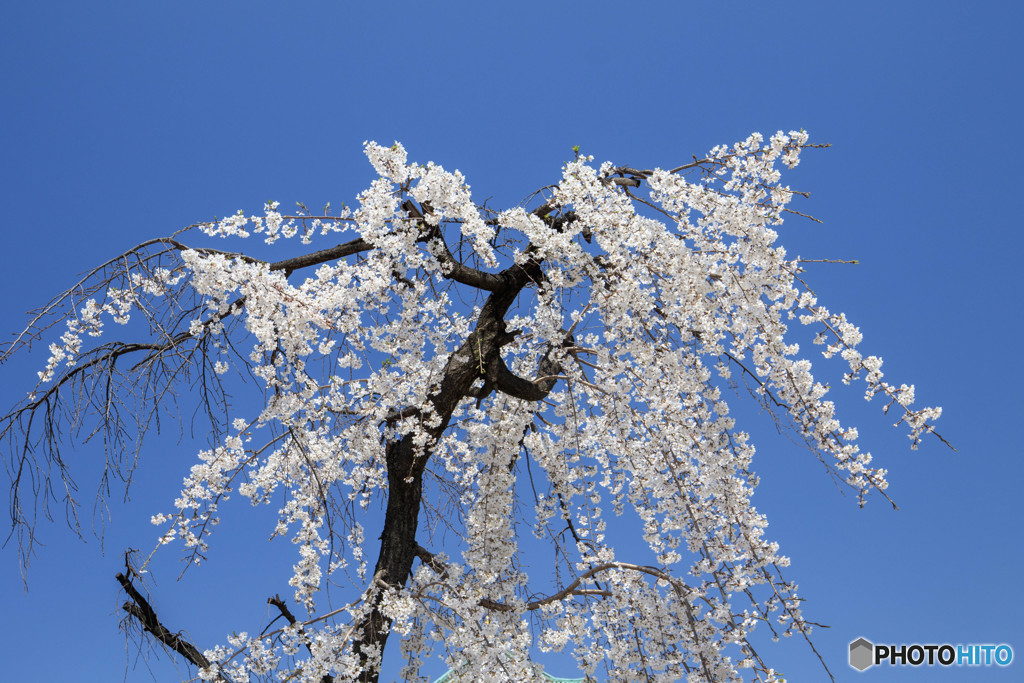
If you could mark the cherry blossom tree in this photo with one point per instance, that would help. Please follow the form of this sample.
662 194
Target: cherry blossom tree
474 373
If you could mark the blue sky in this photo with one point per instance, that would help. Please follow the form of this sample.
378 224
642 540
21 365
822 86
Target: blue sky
124 121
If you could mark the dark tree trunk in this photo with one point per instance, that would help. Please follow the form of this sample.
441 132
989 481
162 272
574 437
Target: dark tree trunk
479 357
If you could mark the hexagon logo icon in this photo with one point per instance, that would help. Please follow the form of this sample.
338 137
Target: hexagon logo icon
861 654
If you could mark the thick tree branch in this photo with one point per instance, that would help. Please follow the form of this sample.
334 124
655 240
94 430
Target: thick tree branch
146 615
508 382
452 267
322 256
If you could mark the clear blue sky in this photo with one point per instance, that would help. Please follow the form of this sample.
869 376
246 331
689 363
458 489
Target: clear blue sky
124 121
